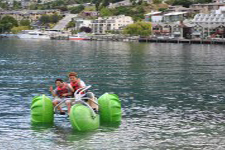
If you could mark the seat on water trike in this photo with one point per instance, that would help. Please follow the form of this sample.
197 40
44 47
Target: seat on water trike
82 116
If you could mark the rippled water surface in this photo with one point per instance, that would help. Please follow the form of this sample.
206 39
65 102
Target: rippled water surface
172 94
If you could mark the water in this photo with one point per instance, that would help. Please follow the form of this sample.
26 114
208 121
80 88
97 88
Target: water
172 94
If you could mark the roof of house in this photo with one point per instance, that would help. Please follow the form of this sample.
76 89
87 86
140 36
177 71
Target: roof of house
175 13
154 13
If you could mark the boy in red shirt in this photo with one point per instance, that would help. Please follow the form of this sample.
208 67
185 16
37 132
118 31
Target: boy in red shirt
62 91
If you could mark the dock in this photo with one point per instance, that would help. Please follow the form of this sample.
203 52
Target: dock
112 38
189 41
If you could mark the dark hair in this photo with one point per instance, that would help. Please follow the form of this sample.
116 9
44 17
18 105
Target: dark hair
59 80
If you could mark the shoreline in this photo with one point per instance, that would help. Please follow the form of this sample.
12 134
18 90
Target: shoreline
188 41
134 39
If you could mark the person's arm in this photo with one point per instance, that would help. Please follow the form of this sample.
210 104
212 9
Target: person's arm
70 87
81 83
67 94
52 91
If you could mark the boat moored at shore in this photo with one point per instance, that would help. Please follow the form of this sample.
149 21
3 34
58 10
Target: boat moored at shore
33 34
79 36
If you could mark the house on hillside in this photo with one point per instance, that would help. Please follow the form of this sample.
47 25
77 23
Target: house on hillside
179 8
154 16
206 8
174 16
126 3
32 15
121 3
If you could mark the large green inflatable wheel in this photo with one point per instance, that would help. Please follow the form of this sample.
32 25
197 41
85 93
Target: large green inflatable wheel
42 110
110 108
82 119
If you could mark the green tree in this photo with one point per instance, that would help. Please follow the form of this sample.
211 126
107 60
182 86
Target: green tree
185 3
71 24
44 19
3 5
139 28
33 7
8 22
105 12
25 23
157 1
76 10
162 9
16 5
202 1
54 18
97 5
85 29
170 2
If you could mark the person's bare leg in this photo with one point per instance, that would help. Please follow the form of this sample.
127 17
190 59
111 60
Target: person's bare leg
92 103
55 102
68 104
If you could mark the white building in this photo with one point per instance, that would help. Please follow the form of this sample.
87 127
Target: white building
212 24
174 16
216 17
121 3
168 18
101 25
154 16
126 3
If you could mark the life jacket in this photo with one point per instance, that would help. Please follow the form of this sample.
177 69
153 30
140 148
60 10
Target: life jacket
62 90
75 86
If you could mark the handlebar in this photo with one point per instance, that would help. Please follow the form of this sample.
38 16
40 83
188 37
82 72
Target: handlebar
78 93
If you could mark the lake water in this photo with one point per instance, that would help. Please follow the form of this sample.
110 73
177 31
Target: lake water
172 94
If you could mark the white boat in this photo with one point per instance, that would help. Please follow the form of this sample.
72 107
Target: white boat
79 36
33 34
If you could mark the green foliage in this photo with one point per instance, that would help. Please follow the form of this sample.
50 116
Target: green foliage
162 9
105 12
54 18
157 1
7 23
139 28
16 5
170 2
202 1
25 23
113 31
45 19
33 7
76 10
185 3
85 29
74 31
136 13
71 24
97 5
19 29
3 5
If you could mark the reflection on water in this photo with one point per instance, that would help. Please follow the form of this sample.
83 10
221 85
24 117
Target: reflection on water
172 94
